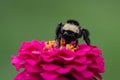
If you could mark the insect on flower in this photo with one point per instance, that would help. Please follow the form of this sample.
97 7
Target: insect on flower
71 31
60 59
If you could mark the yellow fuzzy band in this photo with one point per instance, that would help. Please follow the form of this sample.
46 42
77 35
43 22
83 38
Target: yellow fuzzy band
71 27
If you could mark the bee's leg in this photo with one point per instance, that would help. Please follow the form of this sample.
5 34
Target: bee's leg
58 39
85 34
57 43
58 34
76 43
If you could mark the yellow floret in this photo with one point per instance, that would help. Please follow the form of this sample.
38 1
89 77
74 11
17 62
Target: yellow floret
71 47
50 44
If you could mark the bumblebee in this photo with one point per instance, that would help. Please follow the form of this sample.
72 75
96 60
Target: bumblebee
71 31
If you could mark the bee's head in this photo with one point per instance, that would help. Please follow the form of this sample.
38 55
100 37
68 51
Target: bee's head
70 31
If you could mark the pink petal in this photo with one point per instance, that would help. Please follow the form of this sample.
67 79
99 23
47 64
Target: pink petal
33 68
77 67
31 61
87 74
63 70
50 67
37 45
67 58
77 75
80 53
17 62
88 61
98 76
27 76
97 50
36 52
24 45
61 78
47 58
99 59
102 69
49 75
84 47
80 59
94 66
66 53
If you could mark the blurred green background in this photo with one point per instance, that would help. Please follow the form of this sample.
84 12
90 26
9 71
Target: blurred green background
25 20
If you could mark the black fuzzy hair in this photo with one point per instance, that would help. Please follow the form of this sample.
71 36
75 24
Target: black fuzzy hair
74 22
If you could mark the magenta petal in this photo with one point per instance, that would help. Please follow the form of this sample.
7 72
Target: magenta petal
80 53
17 62
36 52
84 47
20 76
101 68
31 61
24 46
66 53
27 76
63 70
87 74
96 50
77 75
77 67
33 47
80 68
32 68
50 67
61 78
88 61
47 58
67 58
98 76
99 59
49 75
80 59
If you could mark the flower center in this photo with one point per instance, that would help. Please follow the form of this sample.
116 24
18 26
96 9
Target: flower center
53 44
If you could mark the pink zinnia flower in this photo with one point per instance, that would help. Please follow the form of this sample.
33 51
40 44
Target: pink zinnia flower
43 61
